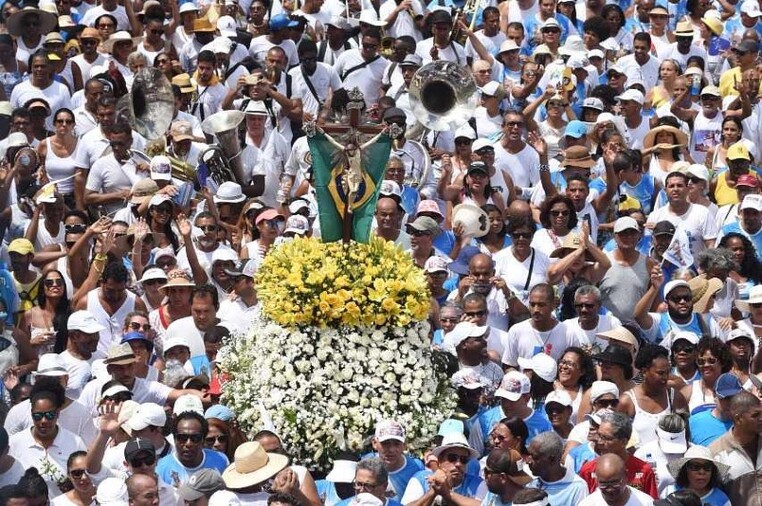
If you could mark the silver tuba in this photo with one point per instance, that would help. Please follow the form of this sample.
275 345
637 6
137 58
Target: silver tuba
442 95
223 159
148 108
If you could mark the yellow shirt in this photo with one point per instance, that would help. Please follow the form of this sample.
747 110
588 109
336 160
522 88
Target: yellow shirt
723 193
728 80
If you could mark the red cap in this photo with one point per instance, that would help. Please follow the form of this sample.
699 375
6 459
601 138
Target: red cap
748 180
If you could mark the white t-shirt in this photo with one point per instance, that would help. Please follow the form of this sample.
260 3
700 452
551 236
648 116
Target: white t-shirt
186 328
238 314
79 373
367 79
56 95
259 46
587 337
523 167
107 175
637 498
454 52
696 223
404 24
323 80
526 341
516 273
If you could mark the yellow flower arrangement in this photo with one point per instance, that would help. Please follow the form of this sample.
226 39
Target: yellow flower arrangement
307 282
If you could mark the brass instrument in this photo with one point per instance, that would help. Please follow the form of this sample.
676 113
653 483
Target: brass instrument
149 108
442 95
387 47
223 159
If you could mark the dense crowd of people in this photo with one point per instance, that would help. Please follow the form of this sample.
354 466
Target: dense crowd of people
590 230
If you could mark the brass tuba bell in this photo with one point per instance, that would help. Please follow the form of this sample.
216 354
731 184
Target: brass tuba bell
442 95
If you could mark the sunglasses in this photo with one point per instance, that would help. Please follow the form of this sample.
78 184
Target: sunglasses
559 213
694 180
522 235
679 298
706 361
222 438
449 320
454 457
417 233
208 228
700 466
49 283
476 314
47 415
607 403
583 305
148 460
184 438
75 229
463 142
146 326
77 473
157 32
684 349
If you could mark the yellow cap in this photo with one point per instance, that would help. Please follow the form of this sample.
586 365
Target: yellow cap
21 246
629 203
738 151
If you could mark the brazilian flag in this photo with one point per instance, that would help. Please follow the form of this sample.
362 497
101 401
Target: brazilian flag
328 165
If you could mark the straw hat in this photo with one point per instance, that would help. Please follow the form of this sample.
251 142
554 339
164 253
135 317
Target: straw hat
755 297
203 25
701 290
577 156
696 452
650 138
119 36
47 20
175 281
252 465
571 242
713 23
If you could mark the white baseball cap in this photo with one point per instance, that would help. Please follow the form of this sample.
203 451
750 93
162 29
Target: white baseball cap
625 223
600 388
84 321
147 415
632 95
514 385
186 403
388 430
542 364
752 201
559 397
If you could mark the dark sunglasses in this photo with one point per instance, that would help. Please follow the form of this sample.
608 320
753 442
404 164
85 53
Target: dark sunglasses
184 438
700 466
146 326
556 213
454 457
476 314
706 361
417 233
679 298
75 229
47 415
582 305
148 460
221 438
607 403
77 473
684 349
522 235
49 283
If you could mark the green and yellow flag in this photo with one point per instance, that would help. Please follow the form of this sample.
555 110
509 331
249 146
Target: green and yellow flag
328 164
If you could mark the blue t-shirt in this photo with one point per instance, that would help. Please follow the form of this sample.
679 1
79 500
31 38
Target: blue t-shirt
536 423
201 365
494 500
444 241
468 487
173 472
389 502
706 428
398 479
580 455
327 492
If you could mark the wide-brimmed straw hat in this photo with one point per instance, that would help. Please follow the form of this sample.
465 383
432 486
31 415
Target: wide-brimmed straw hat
108 44
696 452
571 242
702 290
48 21
252 465
680 138
175 281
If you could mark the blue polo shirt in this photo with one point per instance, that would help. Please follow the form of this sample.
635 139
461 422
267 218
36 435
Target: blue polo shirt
705 428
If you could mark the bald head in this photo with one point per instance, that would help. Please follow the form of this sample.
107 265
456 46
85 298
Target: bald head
609 467
751 34
519 208
481 263
142 486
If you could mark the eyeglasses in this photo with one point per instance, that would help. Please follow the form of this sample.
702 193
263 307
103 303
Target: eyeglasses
137 326
567 363
556 213
77 473
449 320
679 298
476 314
104 26
162 61
208 228
522 235
163 210
65 121
582 305
221 438
701 362
694 180
551 30
363 486
47 415
556 104
607 403
700 466
609 484
51 282
148 460
512 124
184 438
454 457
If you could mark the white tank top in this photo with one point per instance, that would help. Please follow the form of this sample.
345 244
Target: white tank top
654 169
45 239
60 168
150 55
85 66
645 423
700 400
113 323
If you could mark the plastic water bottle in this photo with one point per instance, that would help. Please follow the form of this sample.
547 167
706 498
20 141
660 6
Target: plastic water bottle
695 85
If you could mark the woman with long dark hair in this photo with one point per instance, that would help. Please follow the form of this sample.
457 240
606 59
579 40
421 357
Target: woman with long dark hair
82 492
744 253
558 218
57 155
160 213
476 189
511 433
45 323
496 238
224 436
732 130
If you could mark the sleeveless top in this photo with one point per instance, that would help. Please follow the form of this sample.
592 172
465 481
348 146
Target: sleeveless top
718 167
45 348
622 285
723 193
655 170
113 323
60 168
645 423
45 239
700 400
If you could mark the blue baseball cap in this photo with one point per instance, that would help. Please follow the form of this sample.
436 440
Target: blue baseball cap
460 265
281 22
575 129
220 412
727 385
137 336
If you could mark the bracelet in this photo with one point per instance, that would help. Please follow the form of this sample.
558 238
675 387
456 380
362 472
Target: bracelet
101 257
544 167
